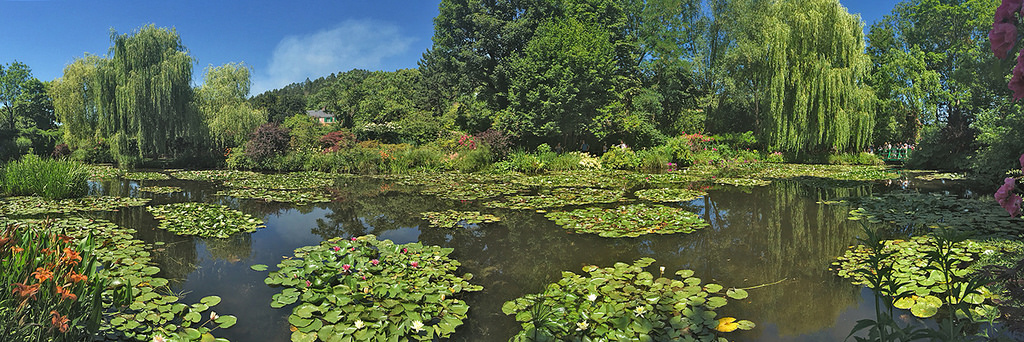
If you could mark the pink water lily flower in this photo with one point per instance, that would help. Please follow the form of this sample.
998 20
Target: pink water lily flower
414 264
346 267
375 261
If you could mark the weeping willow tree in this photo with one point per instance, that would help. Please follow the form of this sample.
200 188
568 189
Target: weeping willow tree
140 99
222 102
816 98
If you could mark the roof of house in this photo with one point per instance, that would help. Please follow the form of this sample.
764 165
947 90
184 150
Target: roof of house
319 114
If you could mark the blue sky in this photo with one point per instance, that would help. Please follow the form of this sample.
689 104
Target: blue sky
282 41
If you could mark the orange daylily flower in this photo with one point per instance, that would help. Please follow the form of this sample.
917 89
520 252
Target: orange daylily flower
71 256
59 321
25 291
77 278
42 274
65 238
65 293
16 249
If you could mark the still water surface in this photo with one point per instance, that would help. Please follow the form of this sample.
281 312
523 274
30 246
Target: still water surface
777 238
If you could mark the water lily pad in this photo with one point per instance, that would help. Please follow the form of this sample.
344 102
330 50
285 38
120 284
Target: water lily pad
32 205
203 219
145 176
622 302
916 210
288 181
284 196
629 220
364 288
103 172
161 189
457 219
669 195
558 197
213 175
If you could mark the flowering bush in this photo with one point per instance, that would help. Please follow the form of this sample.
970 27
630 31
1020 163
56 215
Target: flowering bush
51 290
1003 37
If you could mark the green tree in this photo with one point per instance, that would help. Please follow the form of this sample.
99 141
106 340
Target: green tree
222 100
77 100
560 83
816 97
12 84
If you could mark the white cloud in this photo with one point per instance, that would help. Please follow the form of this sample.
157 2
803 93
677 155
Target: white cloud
358 44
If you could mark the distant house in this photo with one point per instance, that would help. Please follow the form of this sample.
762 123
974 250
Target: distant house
321 116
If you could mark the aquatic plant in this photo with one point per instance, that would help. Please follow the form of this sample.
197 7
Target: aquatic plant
916 210
624 302
629 220
38 205
456 219
52 179
203 219
669 195
364 289
300 197
558 197
287 181
213 175
103 172
145 176
161 189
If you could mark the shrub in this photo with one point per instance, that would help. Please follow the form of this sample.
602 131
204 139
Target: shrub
422 157
93 152
521 161
334 141
53 179
774 157
473 160
654 159
267 141
620 158
60 151
498 141
563 162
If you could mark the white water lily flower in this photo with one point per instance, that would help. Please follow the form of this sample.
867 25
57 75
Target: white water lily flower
591 297
580 326
359 324
417 326
640 310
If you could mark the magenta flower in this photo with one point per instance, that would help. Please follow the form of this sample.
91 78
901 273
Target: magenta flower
1004 13
353 239
308 284
336 248
1002 37
375 261
405 250
346 267
414 264
1022 161
352 249
1007 199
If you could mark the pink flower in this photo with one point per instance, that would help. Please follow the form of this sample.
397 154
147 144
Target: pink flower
308 284
352 249
1007 199
346 267
353 239
1022 161
405 250
414 264
374 262
1004 13
336 248
1002 36
1017 81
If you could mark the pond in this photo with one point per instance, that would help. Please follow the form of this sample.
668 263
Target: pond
776 240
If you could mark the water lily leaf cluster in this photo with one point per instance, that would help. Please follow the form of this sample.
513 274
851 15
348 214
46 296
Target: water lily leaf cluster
161 189
577 179
145 176
629 220
287 181
626 303
669 195
300 197
911 267
33 205
840 172
103 172
213 175
742 181
932 176
558 197
138 305
203 219
932 210
457 219
364 289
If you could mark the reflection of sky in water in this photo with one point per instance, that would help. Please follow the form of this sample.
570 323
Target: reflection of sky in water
776 233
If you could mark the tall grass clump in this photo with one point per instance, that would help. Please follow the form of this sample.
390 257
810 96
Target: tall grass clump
53 179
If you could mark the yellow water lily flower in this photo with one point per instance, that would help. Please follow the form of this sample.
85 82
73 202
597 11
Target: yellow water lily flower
727 324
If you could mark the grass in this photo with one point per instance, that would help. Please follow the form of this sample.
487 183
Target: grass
53 179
